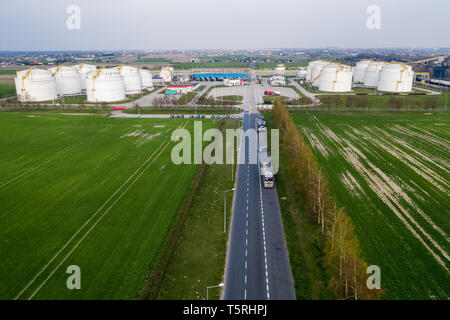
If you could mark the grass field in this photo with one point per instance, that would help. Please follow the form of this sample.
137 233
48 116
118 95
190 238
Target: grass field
90 191
7 90
391 173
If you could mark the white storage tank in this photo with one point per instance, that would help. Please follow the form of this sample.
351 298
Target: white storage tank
280 67
309 69
68 81
359 71
336 78
84 70
166 73
315 72
146 79
35 85
396 77
131 79
105 85
372 73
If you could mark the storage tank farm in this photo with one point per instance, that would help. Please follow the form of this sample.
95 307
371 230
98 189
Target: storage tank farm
146 79
131 79
105 85
68 80
372 73
35 85
84 70
336 77
359 71
396 77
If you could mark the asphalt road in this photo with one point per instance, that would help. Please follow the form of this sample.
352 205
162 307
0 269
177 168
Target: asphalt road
257 266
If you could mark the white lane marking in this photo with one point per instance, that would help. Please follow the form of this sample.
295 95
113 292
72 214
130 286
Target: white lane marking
264 233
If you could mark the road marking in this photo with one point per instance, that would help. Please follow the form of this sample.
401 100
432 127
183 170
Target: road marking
264 232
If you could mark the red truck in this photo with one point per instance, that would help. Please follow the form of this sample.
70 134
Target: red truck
119 108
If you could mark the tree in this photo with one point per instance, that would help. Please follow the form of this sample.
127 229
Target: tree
349 100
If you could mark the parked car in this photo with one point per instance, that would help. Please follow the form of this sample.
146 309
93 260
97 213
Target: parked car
172 116
213 116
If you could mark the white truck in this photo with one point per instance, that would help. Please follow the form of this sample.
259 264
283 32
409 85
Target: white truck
265 160
267 173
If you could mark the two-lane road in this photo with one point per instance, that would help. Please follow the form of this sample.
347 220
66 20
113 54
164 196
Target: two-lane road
257 266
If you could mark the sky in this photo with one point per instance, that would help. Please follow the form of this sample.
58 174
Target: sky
41 25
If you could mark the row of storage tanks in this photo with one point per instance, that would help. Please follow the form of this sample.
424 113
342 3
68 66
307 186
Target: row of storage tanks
335 77
99 84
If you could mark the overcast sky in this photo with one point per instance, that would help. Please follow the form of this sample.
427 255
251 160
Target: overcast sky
200 24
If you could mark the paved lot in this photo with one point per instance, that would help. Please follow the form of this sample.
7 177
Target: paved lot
253 93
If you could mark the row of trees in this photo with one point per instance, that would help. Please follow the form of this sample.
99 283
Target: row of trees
411 103
346 268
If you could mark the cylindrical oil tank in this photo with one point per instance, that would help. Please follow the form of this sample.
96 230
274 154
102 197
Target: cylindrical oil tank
315 72
68 81
146 79
35 85
131 79
396 77
309 68
84 70
105 85
372 73
336 78
359 71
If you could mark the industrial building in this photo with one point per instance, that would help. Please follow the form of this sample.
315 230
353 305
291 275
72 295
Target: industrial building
233 82
396 77
105 85
336 77
180 88
35 85
277 81
68 80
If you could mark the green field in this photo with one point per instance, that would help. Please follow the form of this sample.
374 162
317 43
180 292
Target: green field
90 191
7 90
391 173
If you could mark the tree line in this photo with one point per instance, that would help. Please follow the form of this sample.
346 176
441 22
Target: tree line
343 262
